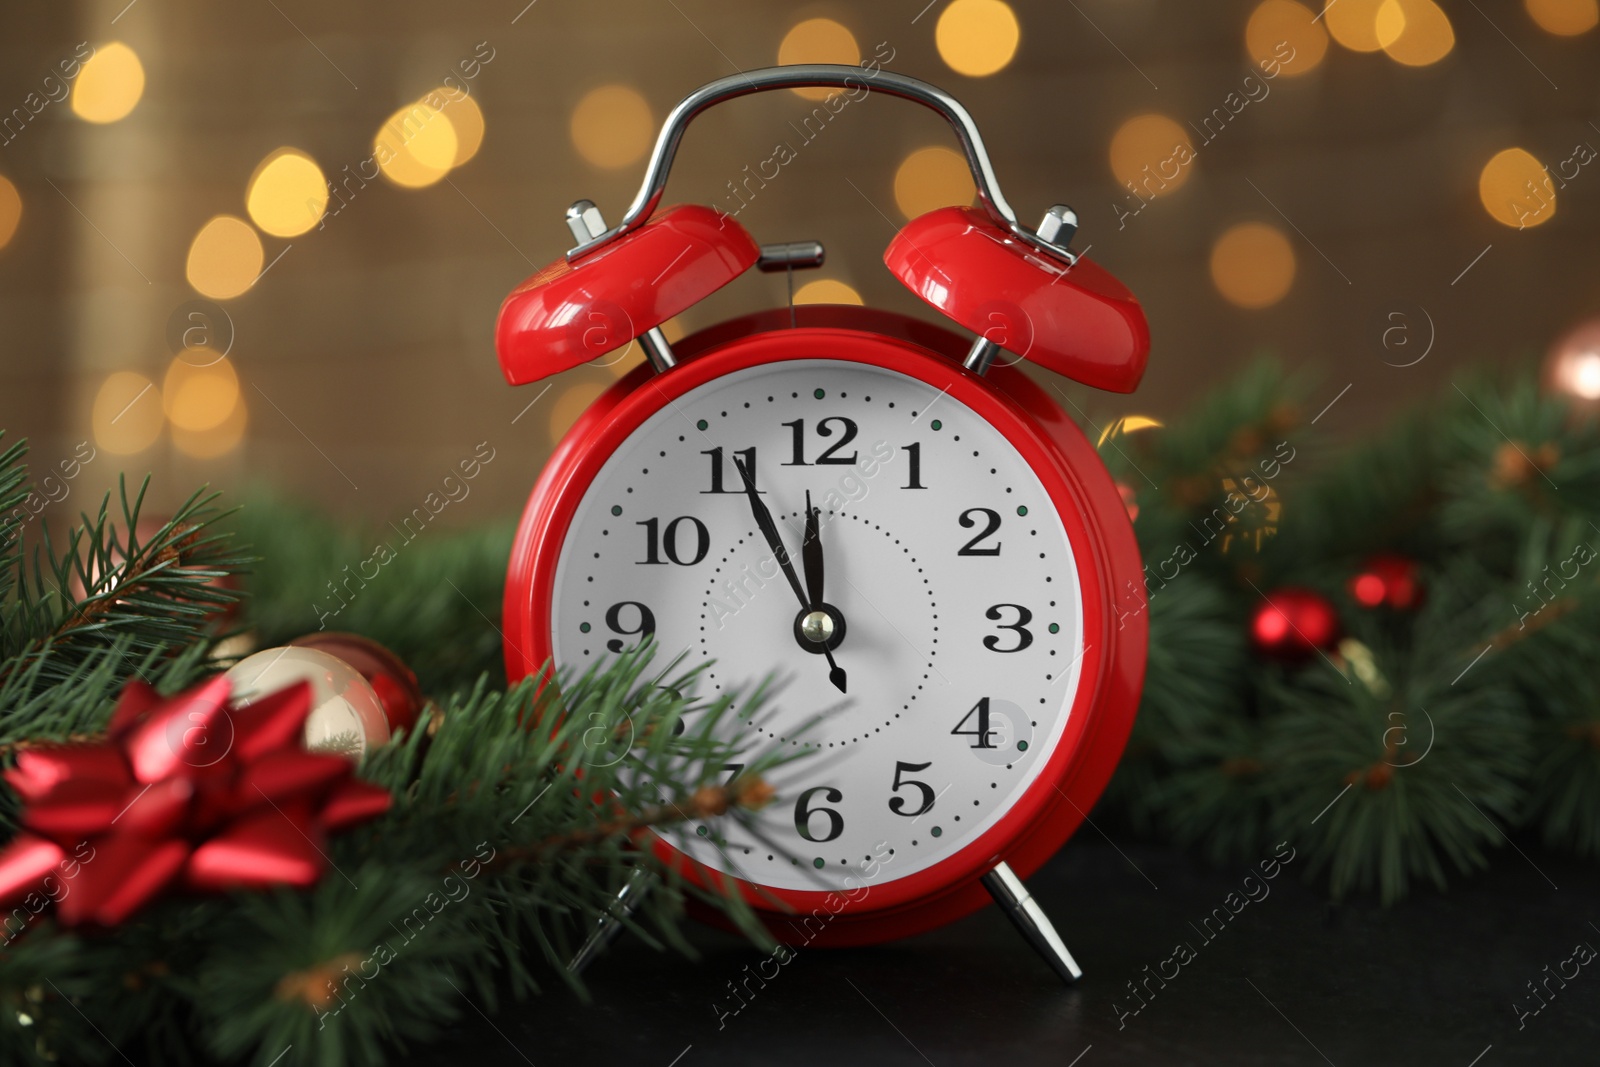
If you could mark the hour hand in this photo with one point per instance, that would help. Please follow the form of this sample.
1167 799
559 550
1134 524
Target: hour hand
817 611
811 555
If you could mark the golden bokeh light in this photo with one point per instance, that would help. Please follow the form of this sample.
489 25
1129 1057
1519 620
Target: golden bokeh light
1252 265
287 194
225 258
466 119
1152 153
10 210
199 398
1357 25
1127 424
109 85
826 291
416 146
1284 27
818 41
213 441
570 404
1515 189
1566 18
1425 35
126 415
612 126
930 178
977 37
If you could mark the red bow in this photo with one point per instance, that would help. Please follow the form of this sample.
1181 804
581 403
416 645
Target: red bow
187 789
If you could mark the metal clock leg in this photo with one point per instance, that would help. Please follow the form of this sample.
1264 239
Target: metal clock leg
1030 919
609 925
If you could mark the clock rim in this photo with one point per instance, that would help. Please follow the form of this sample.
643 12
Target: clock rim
1080 490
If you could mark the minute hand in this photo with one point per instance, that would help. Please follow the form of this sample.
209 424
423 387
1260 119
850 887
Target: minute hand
769 530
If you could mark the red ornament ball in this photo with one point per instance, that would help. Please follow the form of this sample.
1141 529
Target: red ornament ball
1388 581
389 677
1294 624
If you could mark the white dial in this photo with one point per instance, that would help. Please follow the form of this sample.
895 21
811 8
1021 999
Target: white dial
952 608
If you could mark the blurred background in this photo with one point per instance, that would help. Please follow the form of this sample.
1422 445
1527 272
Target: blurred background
265 241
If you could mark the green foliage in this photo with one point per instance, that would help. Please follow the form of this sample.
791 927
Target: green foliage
435 603
1430 733
105 586
513 827
1405 755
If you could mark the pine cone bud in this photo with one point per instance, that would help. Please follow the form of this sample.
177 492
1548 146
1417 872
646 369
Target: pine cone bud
754 793
316 986
709 801
1515 464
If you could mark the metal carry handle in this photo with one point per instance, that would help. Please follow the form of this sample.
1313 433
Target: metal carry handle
1054 233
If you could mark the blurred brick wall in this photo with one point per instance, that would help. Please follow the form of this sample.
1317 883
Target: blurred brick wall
366 353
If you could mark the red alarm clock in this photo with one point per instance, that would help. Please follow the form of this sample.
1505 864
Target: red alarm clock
874 509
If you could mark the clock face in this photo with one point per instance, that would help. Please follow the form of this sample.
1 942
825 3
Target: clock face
951 606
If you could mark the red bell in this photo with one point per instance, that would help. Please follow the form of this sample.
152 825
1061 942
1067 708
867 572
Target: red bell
1076 320
574 310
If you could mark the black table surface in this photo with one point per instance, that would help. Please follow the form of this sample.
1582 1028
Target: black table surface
1290 979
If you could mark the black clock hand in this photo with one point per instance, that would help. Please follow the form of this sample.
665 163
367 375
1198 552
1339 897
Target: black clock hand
811 556
769 530
811 559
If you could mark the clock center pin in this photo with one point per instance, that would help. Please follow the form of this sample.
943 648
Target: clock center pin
819 630
817 627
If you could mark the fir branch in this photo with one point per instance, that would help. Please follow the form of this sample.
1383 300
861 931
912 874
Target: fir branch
518 805
111 587
14 493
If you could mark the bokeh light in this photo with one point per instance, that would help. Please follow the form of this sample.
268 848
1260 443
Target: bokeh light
818 41
1252 265
574 401
1356 24
216 440
1572 368
126 416
930 178
1425 35
199 398
10 210
1275 24
416 146
1566 18
1125 425
287 194
1515 190
1153 153
977 37
826 291
466 119
225 258
109 85
612 126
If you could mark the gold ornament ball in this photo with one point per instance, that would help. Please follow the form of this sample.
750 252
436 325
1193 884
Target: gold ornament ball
1572 369
346 715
